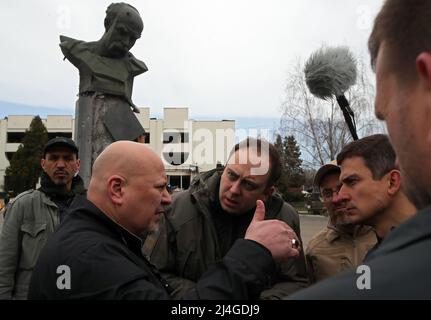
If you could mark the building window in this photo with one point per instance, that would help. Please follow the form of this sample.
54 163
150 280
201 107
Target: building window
168 137
182 182
185 182
175 158
15 137
147 137
174 181
184 137
175 137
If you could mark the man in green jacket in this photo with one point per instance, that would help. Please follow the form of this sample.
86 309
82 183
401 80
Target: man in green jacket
204 221
35 214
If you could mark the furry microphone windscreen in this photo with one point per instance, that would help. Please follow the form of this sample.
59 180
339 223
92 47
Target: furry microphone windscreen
330 71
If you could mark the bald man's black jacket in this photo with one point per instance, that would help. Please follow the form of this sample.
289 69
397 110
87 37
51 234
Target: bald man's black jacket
102 260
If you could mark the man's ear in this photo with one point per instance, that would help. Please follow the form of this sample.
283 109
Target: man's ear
394 181
268 193
116 189
423 67
42 163
78 164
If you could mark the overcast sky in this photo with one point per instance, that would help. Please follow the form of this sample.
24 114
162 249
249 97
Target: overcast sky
217 57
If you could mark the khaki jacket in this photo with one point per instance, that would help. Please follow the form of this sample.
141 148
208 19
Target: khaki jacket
29 220
332 251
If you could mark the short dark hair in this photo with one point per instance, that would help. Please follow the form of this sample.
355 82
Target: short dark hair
376 151
112 11
274 156
405 28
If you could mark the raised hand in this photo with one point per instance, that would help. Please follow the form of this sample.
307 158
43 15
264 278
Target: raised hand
275 235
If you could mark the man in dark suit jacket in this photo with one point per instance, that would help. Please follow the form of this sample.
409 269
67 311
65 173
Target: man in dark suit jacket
400 49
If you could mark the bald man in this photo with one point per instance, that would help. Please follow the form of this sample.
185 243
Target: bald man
96 253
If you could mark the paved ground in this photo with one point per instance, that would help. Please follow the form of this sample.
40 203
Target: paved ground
310 225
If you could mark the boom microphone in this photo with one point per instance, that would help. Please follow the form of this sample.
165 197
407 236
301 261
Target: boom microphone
331 72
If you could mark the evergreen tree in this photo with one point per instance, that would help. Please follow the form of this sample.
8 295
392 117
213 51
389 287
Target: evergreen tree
293 162
292 177
24 170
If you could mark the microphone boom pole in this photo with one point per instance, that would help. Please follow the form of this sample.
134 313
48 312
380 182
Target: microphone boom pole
330 72
349 117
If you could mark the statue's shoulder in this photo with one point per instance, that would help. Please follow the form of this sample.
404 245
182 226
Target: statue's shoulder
76 51
138 66
70 43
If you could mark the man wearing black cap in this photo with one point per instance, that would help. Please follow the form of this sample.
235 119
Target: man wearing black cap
341 245
35 214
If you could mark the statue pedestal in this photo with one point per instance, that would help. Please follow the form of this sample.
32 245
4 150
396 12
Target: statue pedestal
100 120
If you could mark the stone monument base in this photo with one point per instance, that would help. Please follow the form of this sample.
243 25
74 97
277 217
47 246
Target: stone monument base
101 119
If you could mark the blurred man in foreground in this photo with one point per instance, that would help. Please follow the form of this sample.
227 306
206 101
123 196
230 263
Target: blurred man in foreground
400 53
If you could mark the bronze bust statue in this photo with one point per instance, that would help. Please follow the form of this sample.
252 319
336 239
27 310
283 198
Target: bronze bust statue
106 71
106 65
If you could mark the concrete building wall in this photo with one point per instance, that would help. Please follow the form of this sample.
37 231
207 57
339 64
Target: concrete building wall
174 117
213 140
18 123
202 144
144 117
61 123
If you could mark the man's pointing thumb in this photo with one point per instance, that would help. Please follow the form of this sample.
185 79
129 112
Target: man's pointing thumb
259 214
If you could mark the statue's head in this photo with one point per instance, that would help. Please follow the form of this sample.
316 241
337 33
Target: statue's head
123 26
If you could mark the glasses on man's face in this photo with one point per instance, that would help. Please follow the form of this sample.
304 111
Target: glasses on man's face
327 194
